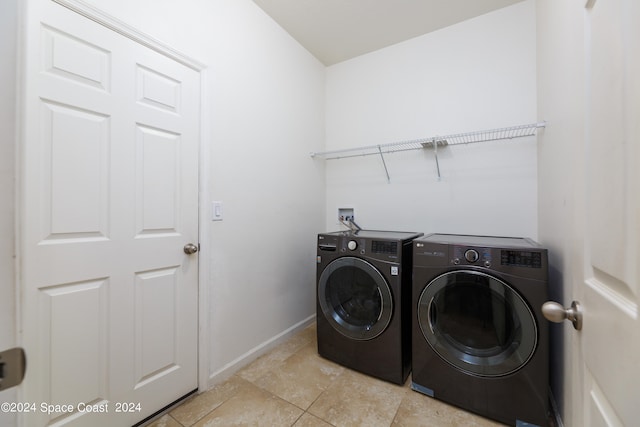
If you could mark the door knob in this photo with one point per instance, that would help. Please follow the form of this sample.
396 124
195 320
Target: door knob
13 364
190 249
555 312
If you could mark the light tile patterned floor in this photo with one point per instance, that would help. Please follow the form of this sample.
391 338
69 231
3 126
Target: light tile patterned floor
293 386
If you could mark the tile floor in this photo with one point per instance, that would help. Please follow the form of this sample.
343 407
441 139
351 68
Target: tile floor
293 386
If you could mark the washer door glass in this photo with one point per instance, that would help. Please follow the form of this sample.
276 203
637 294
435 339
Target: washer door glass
355 298
477 323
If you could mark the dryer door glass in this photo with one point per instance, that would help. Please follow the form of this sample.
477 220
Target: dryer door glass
355 298
477 323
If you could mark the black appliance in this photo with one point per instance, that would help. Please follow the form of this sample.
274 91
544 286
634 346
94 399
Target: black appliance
364 301
480 341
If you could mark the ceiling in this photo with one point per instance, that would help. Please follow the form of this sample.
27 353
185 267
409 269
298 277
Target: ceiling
337 30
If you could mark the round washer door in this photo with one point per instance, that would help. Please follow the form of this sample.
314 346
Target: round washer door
355 298
477 323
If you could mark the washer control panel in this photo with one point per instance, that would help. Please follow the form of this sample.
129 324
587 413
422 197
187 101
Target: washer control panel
353 246
380 249
376 245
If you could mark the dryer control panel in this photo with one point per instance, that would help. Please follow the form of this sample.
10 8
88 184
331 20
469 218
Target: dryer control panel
486 257
519 258
516 261
475 256
510 255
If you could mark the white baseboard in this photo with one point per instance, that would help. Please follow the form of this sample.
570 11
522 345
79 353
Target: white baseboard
240 362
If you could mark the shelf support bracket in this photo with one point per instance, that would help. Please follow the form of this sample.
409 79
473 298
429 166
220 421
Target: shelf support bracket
384 164
435 154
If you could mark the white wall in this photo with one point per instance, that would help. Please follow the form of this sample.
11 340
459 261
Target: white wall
268 98
266 113
8 20
561 100
479 74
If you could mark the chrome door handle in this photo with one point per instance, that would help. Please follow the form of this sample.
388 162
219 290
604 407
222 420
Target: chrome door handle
190 249
555 312
13 364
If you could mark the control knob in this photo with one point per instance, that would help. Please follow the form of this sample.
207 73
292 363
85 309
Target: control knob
471 255
352 245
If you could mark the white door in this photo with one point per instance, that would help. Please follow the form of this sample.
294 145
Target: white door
109 198
610 293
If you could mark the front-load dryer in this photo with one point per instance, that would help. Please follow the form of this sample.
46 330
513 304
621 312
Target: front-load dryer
364 301
480 341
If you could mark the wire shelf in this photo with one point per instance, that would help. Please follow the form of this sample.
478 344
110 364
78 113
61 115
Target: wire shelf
414 144
441 141
495 134
434 143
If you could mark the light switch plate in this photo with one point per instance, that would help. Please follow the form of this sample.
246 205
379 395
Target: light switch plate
216 211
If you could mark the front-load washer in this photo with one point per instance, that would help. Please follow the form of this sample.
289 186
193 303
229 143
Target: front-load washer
364 301
480 341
